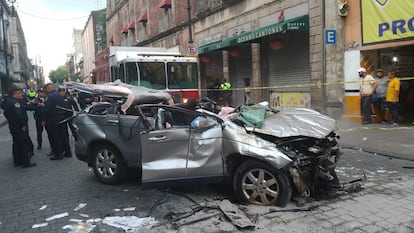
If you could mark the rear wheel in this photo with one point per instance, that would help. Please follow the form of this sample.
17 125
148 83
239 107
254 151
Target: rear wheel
108 165
258 183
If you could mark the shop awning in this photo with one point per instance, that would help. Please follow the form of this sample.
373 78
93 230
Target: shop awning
165 4
125 29
296 24
143 18
131 25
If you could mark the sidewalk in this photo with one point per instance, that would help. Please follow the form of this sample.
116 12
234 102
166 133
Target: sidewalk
392 141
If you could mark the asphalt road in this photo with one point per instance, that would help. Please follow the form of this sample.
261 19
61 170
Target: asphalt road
31 196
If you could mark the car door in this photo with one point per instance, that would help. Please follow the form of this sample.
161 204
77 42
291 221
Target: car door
165 148
205 157
124 131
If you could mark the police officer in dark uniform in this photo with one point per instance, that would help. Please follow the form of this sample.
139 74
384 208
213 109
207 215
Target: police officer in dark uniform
38 105
25 101
69 106
16 115
54 115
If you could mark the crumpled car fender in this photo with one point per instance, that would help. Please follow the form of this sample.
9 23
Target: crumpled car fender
237 140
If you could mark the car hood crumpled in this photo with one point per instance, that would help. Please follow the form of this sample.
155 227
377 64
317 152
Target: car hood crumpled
297 122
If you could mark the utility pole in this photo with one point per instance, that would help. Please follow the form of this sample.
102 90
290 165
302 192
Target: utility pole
190 31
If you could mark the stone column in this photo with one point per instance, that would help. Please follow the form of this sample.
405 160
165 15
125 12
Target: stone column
226 70
316 43
256 80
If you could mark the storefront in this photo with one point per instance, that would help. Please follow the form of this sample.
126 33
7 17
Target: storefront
274 58
386 40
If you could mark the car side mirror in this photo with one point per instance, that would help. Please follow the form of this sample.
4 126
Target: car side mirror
201 122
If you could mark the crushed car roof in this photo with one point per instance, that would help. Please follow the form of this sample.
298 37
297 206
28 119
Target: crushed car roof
134 94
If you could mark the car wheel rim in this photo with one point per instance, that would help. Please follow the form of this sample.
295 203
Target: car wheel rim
106 163
260 187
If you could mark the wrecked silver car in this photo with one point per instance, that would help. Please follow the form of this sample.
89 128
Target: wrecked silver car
266 155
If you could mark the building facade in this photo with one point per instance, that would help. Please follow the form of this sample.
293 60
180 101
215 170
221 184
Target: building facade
21 66
379 34
268 50
5 47
92 39
15 66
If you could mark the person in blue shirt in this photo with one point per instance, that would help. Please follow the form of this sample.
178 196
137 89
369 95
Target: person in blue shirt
16 116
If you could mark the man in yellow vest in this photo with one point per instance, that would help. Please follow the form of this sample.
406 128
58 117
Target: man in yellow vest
225 93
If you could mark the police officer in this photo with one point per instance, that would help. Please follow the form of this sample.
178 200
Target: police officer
69 106
16 115
225 93
38 105
54 115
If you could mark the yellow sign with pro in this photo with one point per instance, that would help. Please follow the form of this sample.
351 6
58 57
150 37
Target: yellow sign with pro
386 20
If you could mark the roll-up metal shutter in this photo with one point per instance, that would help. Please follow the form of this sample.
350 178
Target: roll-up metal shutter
289 65
240 69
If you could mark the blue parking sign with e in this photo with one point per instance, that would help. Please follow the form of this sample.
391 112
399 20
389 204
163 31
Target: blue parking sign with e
330 36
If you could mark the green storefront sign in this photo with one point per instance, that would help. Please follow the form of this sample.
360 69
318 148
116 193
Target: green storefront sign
297 24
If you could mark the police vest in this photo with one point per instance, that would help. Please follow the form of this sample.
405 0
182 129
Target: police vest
225 86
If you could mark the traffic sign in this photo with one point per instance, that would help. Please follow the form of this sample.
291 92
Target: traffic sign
330 36
191 49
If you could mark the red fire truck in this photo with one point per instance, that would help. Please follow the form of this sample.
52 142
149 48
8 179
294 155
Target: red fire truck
156 68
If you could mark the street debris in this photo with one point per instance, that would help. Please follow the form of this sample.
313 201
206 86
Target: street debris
129 209
84 215
80 206
198 217
235 215
39 225
80 228
310 208
43 207
57 216
75 220
94 220
129 223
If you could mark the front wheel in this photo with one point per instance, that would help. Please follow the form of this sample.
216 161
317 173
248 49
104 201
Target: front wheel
108 165
258 183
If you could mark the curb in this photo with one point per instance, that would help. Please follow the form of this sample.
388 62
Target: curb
379 152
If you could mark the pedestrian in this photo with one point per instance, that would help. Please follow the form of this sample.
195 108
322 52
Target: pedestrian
392 97
213 90
379 95
16 116
24 102
367 87
69 106
38 105
54 115
225 93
